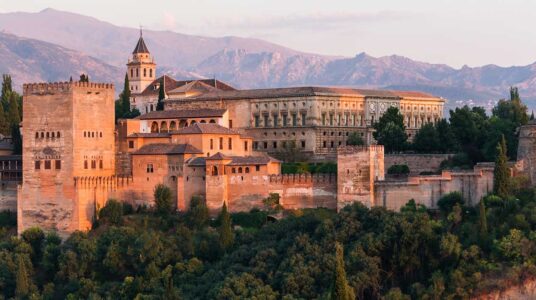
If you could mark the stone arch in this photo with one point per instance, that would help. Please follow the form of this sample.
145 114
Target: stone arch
183 123
58 135
163 126
239 169
172 126
212 121
202 121
247 170
154 127
193 122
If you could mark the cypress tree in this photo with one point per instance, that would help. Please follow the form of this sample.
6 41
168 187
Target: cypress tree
17 139
7 88
501 172
22 288
161 94
341 289
532 115
13 116
225 230
125 98
483 220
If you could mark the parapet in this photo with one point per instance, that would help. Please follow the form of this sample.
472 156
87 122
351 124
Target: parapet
304 178
102 181
356 149
52 87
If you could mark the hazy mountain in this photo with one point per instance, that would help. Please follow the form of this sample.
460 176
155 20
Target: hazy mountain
29 60
102 49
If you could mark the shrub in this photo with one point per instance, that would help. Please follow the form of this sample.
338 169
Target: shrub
272 201
163 200
457 161
112 212
198 213
398 170
253 219
8 218
448 201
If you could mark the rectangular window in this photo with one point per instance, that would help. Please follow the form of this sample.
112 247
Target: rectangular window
246 145
276 120
257 168
324 119
331 120
230 123
150 168
130 144
266 121
93 164
303 119
85 164
230 144
294 120
101 166
58 164
255 145
48 165
257 121
303 144
285 120
265 144
221 143
274 145
211 144
37 164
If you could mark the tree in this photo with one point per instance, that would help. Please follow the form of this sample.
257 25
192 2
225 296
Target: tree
22 279
13 116
125 95
448 143
34 237
7 90
84 78
225 230
483 221
448 201
161 94
390 130
17 139
470 127
163 199
112 211
341 289
501 173
427 139
198 212
355 139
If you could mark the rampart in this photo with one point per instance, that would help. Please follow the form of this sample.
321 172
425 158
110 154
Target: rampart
417 163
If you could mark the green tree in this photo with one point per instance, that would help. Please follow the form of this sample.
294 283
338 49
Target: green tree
84 78
34 237
225 230
161 94
13 115
17 139
198 212
427 139
483 221
470 127
355 139
390 130
112 212
341 289
448 143
22 279
501 173
163 199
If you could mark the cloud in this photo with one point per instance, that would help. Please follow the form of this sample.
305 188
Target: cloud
318 20
168 21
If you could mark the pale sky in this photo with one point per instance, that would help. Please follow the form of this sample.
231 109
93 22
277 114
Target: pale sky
472 32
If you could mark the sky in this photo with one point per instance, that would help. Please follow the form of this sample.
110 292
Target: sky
455 32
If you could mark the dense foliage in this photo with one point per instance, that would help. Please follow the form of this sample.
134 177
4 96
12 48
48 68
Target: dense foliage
398 170
122 105
390 131
11 113
313 168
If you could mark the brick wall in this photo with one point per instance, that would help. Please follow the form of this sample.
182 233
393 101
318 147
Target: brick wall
417 163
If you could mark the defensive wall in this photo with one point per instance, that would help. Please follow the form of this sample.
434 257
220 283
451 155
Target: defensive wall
417 163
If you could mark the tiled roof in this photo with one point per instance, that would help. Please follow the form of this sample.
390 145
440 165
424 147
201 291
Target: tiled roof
251 160
200 128
177 114
218 156
150 134
171 84
307 91
165 149
140 47
196 162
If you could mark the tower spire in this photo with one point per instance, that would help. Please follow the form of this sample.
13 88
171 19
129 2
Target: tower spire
141 31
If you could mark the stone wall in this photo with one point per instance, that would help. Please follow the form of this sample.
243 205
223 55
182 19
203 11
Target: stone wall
417 163
8 195
525 290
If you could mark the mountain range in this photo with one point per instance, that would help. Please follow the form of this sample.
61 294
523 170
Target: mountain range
53 45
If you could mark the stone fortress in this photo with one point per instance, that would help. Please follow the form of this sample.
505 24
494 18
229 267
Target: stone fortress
211 140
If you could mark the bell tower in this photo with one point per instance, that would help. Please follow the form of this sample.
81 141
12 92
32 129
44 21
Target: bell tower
141 67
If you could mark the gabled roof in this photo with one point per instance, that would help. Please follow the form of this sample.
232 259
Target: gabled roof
194 86
218 156
167 149
171 84
140 47
196 162
200 128
177 114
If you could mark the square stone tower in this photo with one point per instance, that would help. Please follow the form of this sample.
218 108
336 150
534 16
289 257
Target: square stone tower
68 133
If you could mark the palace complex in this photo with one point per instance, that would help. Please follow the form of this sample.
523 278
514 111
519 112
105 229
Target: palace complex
211 140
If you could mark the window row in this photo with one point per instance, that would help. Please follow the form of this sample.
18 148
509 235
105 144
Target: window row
284 105
276 144
343 120
163 126
93 164
285 121
92 134
47 134
138 73
229 144
332 133
47 164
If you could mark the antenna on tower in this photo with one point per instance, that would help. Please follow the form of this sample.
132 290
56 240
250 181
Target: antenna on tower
141 31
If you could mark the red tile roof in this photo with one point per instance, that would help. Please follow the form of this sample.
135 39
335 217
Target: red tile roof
167 149
172 84
200 128
177 114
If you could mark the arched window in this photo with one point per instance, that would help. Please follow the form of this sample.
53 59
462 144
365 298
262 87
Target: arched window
48 135
42 135
137 72
144 72
150 72
193 122
85 134
154 127
53 134
247 169
151 108
58 134
215 171
212 121
240 170
233 170
163 127
93 134
101 134
37 135
172 126
203 121
85 164
183 123
131 74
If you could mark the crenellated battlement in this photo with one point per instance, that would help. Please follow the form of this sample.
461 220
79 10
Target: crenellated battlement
304 178
354 149
102 181
52 87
